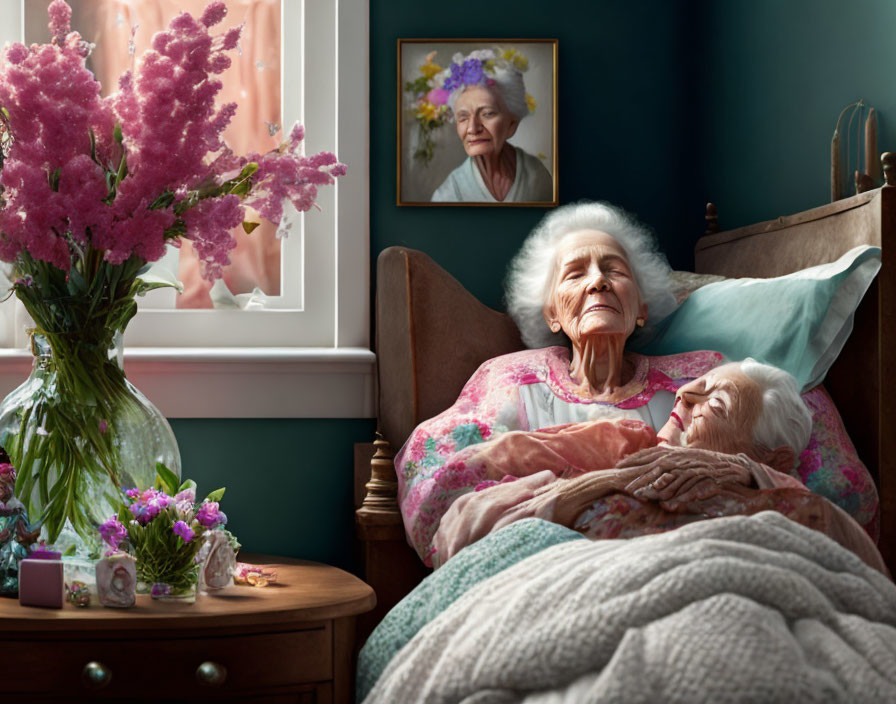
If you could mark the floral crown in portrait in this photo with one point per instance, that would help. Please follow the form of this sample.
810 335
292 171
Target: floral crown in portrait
433 93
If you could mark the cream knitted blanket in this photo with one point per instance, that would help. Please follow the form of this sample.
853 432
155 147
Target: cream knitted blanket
737 609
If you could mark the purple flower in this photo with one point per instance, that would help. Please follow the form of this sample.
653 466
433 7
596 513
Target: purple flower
141 513
184 531
103 426
210 515
113 532
160 589
467 74
148 505
132 493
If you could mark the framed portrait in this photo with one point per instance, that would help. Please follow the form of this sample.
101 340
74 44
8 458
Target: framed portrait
477 122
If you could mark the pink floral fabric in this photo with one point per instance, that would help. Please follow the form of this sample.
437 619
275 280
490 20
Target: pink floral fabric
440 460
830 466
435 467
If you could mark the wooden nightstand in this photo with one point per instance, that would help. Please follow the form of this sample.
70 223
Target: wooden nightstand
289 642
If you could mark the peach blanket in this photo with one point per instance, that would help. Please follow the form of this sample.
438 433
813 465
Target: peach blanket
532 469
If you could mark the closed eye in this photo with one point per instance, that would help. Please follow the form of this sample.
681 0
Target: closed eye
717 405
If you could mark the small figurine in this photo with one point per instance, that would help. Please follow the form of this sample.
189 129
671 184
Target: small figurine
218 560
116 580
78 594
16 534
40 579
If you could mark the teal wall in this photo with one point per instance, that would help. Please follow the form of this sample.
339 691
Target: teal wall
626 72
776 75
289 481
663 105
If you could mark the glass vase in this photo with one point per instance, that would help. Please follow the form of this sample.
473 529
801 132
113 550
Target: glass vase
164 591
179 585
79 434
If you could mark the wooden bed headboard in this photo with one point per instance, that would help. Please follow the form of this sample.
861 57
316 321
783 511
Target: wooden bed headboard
412 356
866 368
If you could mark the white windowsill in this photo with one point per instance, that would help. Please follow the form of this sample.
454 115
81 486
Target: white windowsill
243 382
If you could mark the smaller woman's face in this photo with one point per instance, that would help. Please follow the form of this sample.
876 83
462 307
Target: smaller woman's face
483 122
715 412
594 290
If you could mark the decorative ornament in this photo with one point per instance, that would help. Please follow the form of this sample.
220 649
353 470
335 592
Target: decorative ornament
254 575
77 594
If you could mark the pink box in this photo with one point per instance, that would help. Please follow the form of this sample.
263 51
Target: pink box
40 580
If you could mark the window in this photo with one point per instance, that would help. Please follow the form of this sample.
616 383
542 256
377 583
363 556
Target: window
313 335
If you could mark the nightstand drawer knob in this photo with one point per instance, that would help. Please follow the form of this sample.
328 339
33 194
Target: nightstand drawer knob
95 675
211 674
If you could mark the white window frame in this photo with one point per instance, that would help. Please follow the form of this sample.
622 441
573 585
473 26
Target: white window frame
312 360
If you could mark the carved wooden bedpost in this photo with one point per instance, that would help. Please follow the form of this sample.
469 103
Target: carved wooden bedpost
712 218
380 505
888 163
389 566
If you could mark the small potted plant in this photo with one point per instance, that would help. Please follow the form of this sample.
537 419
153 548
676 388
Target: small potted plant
163 528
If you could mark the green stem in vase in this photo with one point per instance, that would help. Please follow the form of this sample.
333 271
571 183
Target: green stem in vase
67 438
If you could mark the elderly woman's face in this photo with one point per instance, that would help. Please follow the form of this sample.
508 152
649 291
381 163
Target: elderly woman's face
594 290
483 122
715 412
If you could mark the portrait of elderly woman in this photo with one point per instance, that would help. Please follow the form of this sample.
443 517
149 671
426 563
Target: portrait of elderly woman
477 122
676 438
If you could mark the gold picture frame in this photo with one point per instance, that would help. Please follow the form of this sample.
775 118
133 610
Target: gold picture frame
434 161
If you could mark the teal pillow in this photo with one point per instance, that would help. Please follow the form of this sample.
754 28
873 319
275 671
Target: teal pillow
798 322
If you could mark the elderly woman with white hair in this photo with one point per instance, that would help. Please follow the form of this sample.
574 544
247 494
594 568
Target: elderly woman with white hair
585 281
488 100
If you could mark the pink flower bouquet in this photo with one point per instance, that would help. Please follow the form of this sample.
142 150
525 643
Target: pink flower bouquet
163 528
92 189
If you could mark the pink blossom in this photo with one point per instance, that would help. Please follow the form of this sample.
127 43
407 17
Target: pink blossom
113 532
219 63
213 13
438 96
7 472
16 53
208 226
60 19
149 504
210 514
65 153
231 38
183 503
188 494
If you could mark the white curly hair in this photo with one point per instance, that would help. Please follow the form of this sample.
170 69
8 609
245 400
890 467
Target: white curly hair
784 419
531 270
